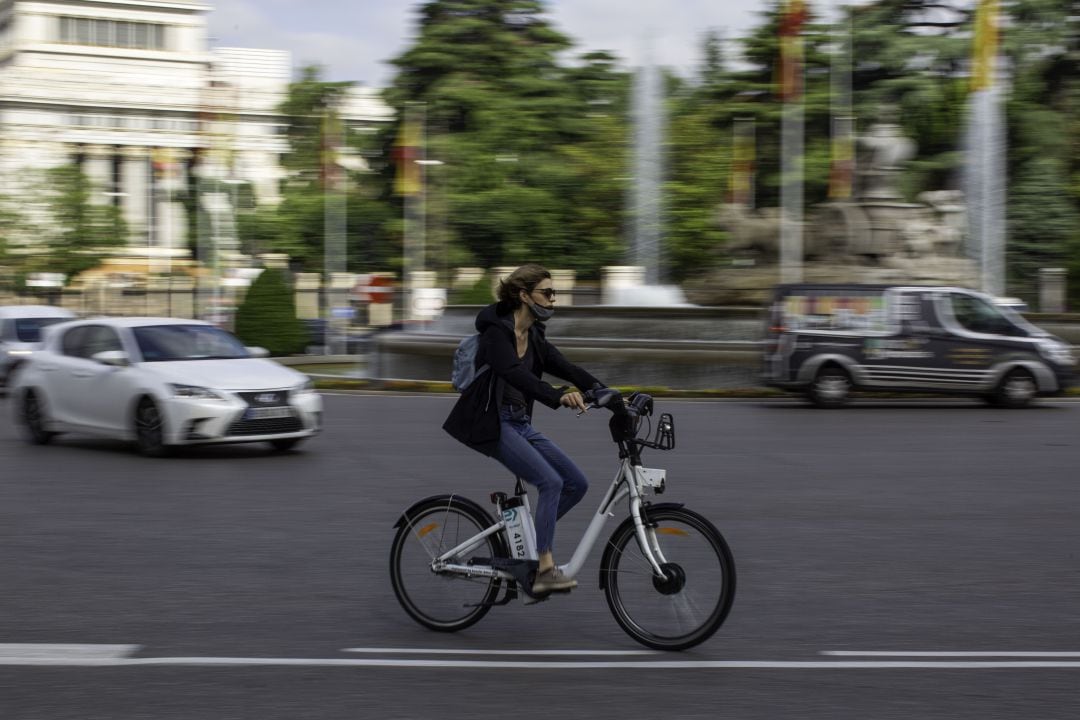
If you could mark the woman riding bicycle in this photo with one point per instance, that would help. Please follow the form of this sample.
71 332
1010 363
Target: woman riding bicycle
494 413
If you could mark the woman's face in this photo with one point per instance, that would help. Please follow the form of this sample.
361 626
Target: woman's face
543 294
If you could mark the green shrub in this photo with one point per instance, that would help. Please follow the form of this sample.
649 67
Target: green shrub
479 294
267 317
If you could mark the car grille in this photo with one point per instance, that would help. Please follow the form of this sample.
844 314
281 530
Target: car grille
266 426
265 398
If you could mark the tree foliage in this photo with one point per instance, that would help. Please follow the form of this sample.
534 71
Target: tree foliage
267 317
80 232
534 135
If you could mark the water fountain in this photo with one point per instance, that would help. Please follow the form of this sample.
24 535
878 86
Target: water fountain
639 284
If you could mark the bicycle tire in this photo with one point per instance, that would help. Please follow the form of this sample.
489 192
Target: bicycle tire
442 602
688 608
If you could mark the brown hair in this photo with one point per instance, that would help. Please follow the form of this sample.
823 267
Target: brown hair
524 278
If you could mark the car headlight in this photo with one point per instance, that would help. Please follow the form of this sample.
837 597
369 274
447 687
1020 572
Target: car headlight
308 386
194 392
20 352
1056 352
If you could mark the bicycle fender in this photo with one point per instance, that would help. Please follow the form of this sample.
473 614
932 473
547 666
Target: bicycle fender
605 559
482 517
458 499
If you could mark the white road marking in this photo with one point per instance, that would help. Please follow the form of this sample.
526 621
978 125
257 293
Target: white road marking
450 651
68 655
86 661
947 654
49 653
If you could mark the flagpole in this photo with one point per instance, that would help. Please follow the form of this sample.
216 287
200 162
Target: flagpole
986 171
409 185
842 170
791 163
334 223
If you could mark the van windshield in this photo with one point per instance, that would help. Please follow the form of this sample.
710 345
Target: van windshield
977 315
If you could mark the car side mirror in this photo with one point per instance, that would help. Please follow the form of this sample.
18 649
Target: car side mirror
116 358
259 352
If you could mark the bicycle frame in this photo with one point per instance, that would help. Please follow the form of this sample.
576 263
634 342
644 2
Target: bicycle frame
631 480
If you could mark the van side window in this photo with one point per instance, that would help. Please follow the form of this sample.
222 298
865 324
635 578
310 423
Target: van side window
979 316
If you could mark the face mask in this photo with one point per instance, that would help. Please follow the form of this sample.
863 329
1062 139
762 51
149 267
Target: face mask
540 312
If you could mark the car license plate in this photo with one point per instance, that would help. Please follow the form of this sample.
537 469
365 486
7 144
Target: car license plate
267 413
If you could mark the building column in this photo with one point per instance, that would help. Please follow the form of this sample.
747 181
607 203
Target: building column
135 192
170 178
98 168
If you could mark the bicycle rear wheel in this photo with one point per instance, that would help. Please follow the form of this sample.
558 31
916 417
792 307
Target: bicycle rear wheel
687 606
442 601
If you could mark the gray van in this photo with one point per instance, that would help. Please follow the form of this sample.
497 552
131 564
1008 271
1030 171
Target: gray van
20 333
828 340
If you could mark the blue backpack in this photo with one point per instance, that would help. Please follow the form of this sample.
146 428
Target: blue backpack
465 370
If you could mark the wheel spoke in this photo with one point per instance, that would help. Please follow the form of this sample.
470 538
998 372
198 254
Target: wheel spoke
441 600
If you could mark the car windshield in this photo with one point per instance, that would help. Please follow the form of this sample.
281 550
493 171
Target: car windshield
29 329
160 343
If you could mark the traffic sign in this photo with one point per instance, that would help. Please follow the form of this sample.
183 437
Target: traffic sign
374 288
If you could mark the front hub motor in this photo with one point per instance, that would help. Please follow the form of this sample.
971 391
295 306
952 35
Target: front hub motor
673 581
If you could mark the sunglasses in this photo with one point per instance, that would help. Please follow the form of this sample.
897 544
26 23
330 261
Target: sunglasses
548 293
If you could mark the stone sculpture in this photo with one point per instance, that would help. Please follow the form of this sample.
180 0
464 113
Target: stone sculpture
874 237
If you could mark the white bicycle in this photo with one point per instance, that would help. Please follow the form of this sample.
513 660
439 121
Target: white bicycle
666 571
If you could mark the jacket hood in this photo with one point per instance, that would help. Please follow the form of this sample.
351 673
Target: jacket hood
500 314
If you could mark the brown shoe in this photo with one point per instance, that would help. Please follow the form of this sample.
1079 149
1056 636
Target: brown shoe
552 580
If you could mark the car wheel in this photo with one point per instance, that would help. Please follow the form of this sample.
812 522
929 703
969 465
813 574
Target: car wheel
285 444
1017 389
831 387
34 419
150 430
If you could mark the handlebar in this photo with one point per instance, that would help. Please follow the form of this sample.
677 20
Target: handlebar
601 397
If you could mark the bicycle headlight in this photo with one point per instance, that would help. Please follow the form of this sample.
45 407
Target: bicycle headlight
1056 352
194 392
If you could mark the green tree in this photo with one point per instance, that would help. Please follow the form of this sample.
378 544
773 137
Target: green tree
81 232
520 135
267 317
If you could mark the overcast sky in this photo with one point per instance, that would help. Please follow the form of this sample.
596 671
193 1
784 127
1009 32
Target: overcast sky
353 40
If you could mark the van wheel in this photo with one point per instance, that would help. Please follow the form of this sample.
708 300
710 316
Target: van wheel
1017 389
831 387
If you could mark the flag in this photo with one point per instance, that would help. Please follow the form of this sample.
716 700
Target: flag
792 17
406 152
842 168
331 141
986 45
741 183
164 161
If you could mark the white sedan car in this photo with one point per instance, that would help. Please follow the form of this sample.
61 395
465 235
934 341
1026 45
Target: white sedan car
161 382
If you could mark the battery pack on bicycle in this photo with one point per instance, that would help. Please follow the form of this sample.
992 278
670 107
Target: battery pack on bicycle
666 571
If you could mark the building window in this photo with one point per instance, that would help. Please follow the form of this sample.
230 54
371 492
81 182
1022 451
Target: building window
112 33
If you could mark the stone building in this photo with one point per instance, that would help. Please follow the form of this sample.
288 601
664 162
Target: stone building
131 91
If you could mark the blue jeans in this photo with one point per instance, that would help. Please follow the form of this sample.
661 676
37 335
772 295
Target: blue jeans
538 461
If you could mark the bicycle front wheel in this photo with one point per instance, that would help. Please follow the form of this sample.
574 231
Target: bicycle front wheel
691 601
442 601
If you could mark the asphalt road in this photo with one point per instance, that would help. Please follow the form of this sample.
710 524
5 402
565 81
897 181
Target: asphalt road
896 560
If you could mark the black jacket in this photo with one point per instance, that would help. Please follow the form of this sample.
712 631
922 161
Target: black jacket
475 417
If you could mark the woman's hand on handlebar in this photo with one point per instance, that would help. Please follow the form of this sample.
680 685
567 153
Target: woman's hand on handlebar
575 401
